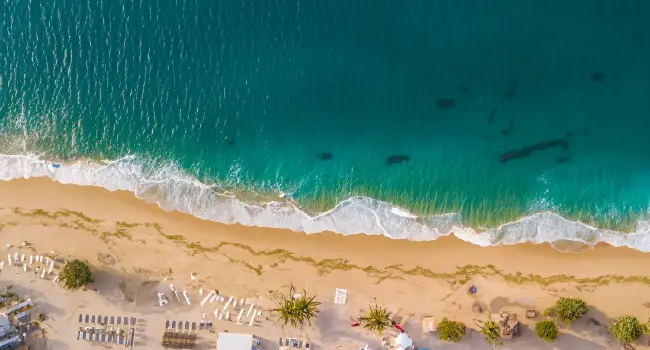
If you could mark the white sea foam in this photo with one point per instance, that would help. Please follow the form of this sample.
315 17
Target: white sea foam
172 189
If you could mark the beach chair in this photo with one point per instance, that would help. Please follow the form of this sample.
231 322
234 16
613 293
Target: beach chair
81 317
202 326
194 327
126 321
109 336
99 319
167 324
241 302
112 320
87 318
80 335
173 324
119 320
92 319
118 339
187 326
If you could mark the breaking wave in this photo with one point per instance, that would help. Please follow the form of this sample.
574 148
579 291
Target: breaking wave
173 189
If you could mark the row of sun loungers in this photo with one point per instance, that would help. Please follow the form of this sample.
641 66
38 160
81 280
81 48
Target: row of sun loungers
107 336
106 320
180 327
115 330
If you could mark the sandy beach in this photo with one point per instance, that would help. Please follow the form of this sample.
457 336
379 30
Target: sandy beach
136 250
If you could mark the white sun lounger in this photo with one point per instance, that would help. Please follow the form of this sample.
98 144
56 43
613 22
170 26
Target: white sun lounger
241 312
228 303
25 267
187 298
56 278
22 258
252 318
249 310
221 314
40 259
31 259
177 297
227 317
214 297
51 267
216 313
2 264
43 274
205 300
340 296
172 287
9 259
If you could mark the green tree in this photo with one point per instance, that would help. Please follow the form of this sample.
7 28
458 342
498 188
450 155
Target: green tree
452 331
627 329
546 330
492 332
375 319
567 310
297 311
76 274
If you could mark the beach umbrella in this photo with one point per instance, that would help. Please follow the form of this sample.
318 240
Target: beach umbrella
403 341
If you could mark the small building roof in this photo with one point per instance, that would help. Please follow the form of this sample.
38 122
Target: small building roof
234 341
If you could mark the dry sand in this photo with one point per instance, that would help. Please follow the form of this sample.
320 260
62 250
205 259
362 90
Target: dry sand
133 246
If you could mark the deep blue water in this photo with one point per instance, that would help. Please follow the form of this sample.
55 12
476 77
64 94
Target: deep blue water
310 99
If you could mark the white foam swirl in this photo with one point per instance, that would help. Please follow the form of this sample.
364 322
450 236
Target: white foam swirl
172 189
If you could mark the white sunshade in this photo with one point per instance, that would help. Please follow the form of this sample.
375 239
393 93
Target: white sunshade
403 341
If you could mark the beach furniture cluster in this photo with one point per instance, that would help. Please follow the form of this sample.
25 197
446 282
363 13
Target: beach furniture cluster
13 321
41 265
179 335
232 307
112 330
294 343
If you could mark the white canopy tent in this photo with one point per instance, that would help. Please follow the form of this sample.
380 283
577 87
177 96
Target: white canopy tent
403 342
234 341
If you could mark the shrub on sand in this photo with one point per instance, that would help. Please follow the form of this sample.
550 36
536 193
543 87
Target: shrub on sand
297 311
492 332
452 331
627 329
546 330
567 310
375 319
76 274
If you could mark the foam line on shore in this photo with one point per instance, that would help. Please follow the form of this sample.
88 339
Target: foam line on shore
173 189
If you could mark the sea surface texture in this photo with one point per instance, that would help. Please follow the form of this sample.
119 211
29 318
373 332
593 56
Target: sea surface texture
501 121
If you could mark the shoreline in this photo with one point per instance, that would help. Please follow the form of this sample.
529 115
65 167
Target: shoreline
127 240
187 195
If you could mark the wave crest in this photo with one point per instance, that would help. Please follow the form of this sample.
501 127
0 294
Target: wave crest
173 189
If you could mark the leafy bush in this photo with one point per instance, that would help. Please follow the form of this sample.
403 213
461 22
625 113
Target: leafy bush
492 332
546 330
567 310
452 331
76 274
627 329
376 319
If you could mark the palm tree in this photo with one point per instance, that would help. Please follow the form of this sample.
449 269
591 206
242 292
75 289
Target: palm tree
297 311
376 319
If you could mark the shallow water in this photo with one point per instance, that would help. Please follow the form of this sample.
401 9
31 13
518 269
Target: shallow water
326 115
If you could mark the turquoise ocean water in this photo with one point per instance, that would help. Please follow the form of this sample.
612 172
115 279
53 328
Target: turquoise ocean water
520 120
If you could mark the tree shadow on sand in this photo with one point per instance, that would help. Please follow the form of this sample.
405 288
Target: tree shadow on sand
332 324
